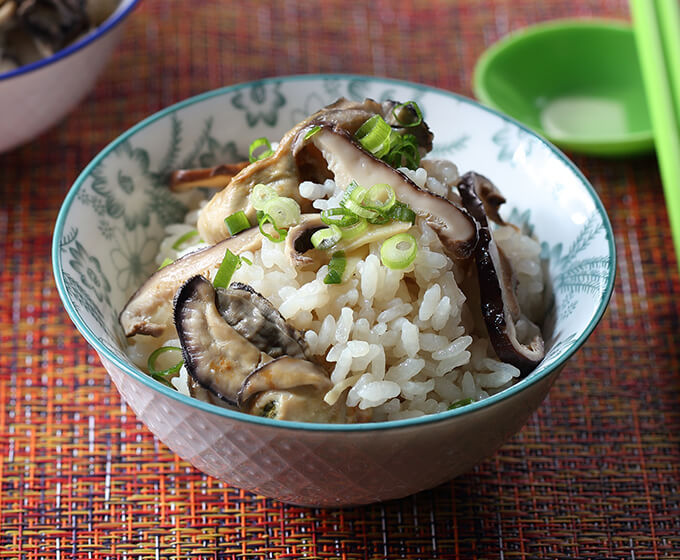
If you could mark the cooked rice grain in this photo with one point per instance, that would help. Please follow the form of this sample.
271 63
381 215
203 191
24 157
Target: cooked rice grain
401 343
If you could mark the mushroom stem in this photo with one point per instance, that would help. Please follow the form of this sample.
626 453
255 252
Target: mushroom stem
186 179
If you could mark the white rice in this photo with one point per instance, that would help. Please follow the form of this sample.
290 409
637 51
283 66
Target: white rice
402 343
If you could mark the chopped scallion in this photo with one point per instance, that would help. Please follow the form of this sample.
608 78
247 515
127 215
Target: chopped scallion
264 219
237 222
327 237
380 197
460 403
312 131
336 268
259 149
404 152
165 262
402 213
260 194
399 251
162 374
182 239
374 136
339 216
378 219
408 106
355 230
229 264
284 211
358 209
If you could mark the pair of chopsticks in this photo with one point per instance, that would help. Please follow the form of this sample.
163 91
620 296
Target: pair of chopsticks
656 24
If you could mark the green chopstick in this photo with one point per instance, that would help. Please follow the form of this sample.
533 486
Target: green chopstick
668 12
657 28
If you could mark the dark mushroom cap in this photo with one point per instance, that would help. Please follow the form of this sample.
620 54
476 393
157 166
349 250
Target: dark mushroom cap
149 311
348 161
499 306
258 321
215 354
283 374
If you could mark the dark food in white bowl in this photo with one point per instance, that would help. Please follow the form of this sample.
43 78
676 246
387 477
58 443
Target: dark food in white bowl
31 30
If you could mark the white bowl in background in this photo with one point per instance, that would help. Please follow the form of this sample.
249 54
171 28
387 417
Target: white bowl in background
36 96
113 219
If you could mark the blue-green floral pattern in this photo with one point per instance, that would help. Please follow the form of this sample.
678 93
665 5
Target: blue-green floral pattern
87 283
208 151
117 192
261 102
576 274
448 149
133 257
116 220
509 139
89 272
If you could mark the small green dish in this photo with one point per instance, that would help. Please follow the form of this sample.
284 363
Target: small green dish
576 82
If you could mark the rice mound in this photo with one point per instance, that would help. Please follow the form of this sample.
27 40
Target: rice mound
397 343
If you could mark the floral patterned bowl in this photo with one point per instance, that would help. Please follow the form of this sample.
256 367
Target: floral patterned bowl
112 220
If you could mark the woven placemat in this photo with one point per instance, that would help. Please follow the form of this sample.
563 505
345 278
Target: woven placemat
594 474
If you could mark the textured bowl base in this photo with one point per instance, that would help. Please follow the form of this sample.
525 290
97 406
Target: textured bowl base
319 468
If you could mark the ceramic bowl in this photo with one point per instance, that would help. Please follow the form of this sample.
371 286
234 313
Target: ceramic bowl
575 81
36 96
112 220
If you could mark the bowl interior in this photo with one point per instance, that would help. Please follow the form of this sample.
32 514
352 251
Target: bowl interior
111 223
576 82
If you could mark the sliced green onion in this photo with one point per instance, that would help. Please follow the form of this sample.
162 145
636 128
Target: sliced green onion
336 268
263 219
245 260
162 374
357 193
416 109
339 216
378 219
327 237
165 262
259 149
237 222
374 136
460 403
399 251
358 209
380 197
402 213
312 132
229 264
182 239
403 152
350 189
283 210
260 194
355 230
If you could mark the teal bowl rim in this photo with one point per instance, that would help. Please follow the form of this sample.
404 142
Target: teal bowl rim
634 142
138 375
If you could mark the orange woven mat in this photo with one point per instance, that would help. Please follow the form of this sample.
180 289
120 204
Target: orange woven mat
594 474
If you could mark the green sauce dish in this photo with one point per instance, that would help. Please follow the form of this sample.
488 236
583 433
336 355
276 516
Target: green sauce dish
576 82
